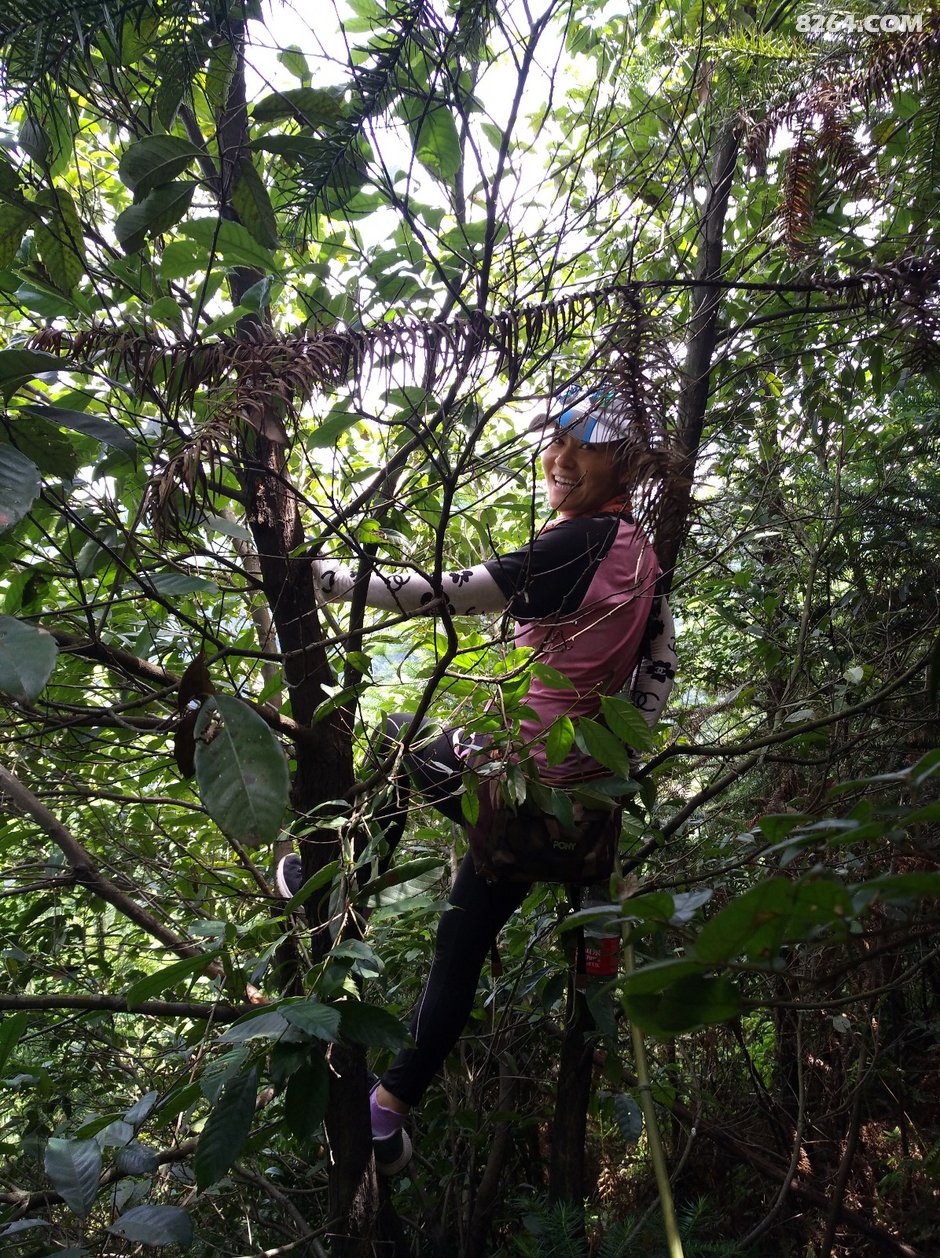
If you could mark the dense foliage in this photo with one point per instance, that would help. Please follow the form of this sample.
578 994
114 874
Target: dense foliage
272 283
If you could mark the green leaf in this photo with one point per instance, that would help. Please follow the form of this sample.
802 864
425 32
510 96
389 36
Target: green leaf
21 1225
155 160
241 771
153 984
775 912
267 1025
34 140
328 433
253 205
161 209
226 1130
626 720
367 1024
174 85
603 746
52 452
435 137
313 107
258 295
74 1166
14 221
232 242
12 1026
20 483
306 1098
902 886
27 658
178 584
691 1002
629 1117
401 873
155 1225
136 1159
219 73
93 426
60 240
313 1017
658 975
293 59
559 740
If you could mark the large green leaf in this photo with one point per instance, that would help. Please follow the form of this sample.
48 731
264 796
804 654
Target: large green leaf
14 221
88 425
232 242
20 483
155 160
12 1026
17 366
178 584
436 141
266 1025
313 1017
154 984
603 746
313 107
226 1130
626 721
367 1024
777 911
60 239
252 204
306 1097
155 1225
161 209
27 658
136 1159
52 452
74 1166
241 771
691 1002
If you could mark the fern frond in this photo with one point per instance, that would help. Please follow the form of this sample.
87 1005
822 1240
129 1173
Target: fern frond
799 185
337 169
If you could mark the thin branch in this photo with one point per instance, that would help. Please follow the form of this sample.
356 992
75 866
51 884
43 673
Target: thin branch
87 873
220 1011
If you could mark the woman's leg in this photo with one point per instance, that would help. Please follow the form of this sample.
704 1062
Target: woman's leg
479 910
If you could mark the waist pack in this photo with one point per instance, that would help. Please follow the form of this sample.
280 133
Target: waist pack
526 844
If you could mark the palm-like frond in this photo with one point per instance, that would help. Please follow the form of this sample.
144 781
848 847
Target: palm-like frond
337 168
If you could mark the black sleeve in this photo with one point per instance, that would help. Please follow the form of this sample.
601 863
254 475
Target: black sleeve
551 575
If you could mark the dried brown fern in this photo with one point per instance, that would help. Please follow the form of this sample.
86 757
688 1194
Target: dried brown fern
819 114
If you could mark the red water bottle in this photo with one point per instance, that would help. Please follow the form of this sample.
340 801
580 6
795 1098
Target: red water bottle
601 936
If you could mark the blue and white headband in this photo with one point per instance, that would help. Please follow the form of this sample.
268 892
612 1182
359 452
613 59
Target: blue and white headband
596 418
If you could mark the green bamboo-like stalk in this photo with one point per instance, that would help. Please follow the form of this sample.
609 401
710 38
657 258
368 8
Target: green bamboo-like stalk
670 1222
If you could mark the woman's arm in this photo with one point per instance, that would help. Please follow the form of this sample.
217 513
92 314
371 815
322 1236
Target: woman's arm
657 668
467 592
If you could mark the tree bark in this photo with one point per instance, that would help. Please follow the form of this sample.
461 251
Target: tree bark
700 352
569 1124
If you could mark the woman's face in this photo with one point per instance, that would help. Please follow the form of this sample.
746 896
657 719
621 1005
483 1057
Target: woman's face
580 478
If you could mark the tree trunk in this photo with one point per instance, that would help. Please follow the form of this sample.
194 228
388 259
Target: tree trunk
569 1124
323 750
700 351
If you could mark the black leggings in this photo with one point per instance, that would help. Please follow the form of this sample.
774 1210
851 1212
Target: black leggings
467 930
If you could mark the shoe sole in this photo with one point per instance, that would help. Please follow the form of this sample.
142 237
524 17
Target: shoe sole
283 889
387 1169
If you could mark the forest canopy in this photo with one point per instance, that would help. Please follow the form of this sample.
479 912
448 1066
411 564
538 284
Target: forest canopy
277 283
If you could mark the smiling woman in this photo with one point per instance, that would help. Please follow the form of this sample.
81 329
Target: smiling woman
583 594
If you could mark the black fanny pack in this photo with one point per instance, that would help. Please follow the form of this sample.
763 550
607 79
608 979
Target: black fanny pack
526 844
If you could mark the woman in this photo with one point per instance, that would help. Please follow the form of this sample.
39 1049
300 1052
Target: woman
583 595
